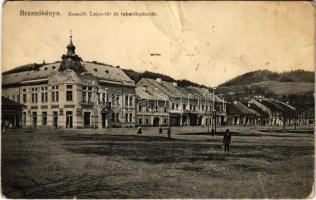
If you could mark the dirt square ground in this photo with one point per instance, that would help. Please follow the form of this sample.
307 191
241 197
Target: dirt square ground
118 163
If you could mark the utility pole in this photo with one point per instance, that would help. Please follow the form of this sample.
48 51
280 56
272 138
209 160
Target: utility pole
214 110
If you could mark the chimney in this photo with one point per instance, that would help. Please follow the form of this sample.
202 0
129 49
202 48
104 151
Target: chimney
158 80
175 84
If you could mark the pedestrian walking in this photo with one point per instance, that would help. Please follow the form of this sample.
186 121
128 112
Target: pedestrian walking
169 132
226 141
160 130
139 130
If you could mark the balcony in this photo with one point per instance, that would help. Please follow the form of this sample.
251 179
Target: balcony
86 103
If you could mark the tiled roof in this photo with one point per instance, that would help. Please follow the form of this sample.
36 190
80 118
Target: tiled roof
255 108
140 92
8 102
104 72
170 90
203 91
237 108
277 106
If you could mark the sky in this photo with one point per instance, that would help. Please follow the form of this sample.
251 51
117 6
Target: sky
205 42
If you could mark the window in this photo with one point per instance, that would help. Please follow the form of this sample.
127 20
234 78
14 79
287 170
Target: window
126 100
34 95
184 106
69 93
172 106
164 120
24 98
130 100
44 95
55 93
86 93
130 117
147 121
126 117
140 121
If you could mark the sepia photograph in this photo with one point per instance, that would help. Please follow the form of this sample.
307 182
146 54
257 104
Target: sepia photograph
158 100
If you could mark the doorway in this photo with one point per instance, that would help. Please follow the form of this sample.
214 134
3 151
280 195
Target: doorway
104 120
86 119
156 122
69 120
34 119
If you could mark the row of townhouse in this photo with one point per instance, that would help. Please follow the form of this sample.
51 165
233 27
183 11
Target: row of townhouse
265 111
73 93
162 103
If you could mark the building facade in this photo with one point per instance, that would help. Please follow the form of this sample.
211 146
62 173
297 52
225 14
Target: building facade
72 93
276 112
177 106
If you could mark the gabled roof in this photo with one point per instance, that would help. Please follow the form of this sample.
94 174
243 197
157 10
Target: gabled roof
277 106
170 90
255 108
144 94
203 91
237 108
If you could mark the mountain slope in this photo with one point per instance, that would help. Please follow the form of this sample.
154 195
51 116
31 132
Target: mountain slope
266 75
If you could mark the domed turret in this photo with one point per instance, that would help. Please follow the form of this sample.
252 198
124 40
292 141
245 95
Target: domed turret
71 60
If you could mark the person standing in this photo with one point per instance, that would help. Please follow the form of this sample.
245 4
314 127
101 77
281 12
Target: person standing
169 132
160 130
139 130
226 141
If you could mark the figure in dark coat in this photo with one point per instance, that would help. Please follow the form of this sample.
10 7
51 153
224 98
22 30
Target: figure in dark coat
160 130
139 130
226 141
169 132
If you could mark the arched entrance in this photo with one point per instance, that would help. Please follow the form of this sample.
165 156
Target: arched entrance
156 121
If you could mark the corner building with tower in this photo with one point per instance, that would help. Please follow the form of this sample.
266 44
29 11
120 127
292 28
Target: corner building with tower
71 93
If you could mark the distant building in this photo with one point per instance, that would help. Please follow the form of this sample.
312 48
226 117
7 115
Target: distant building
178 106
239 114
72 93
151 110
11 113
278 112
